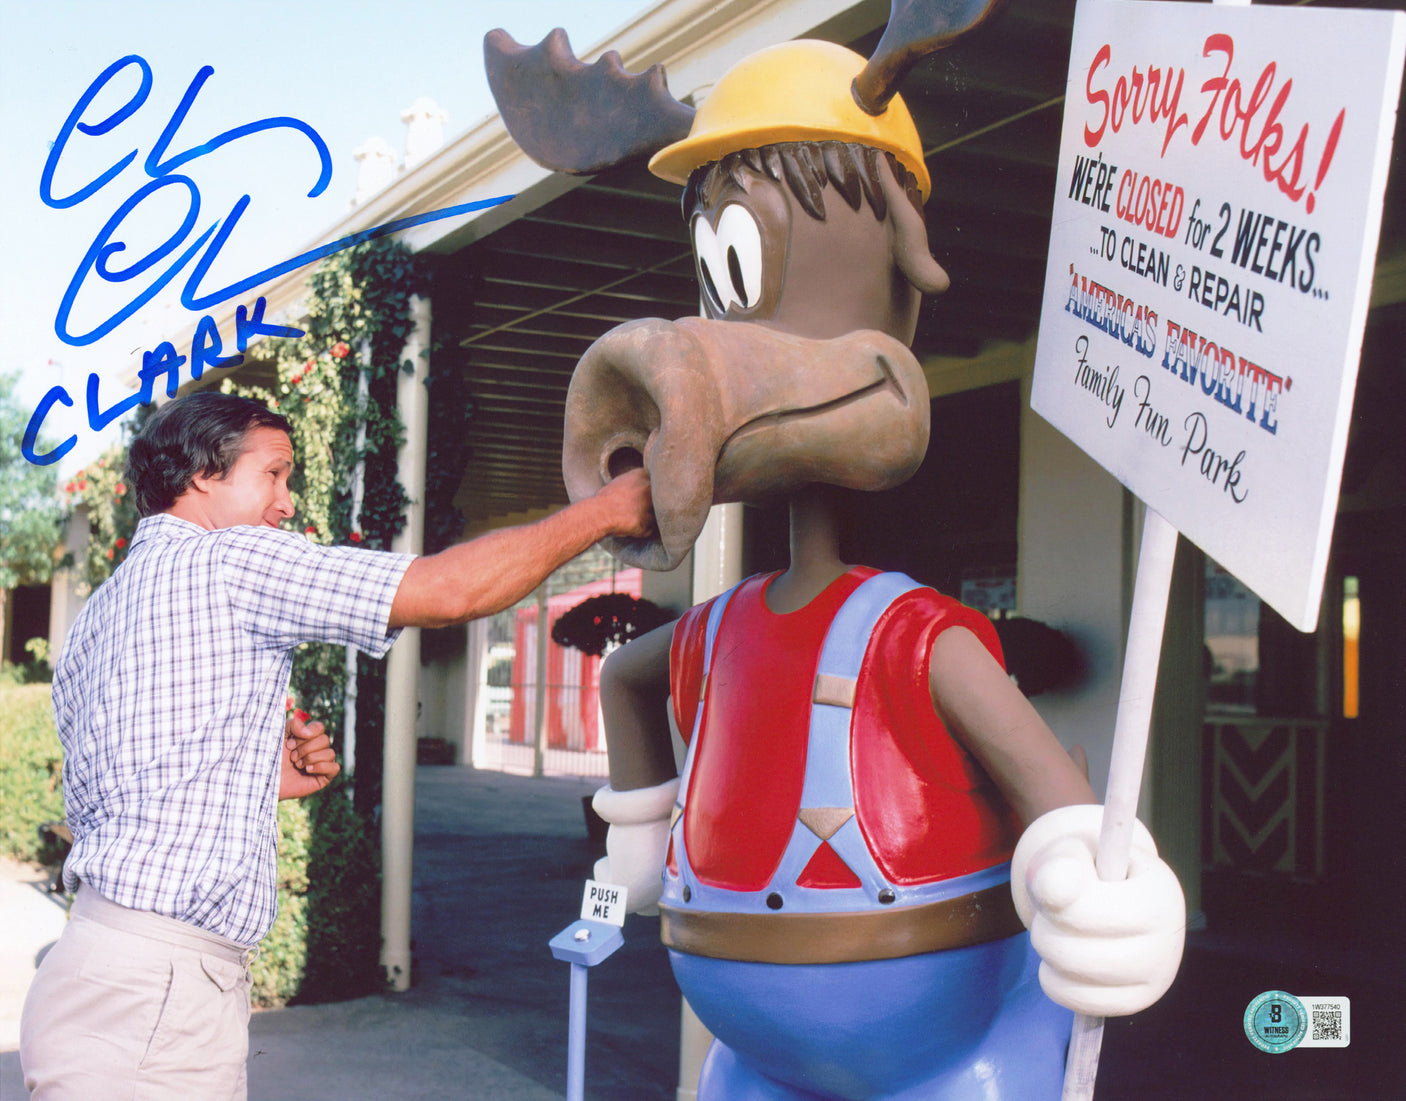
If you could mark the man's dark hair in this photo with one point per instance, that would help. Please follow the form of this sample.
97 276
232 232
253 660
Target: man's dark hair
199 435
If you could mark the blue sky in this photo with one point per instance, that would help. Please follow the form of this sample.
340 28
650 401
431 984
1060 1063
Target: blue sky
346 68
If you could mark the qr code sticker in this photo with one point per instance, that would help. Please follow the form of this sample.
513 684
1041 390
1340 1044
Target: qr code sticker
1329 1022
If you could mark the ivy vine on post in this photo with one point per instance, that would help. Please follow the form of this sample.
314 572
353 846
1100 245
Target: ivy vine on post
336 385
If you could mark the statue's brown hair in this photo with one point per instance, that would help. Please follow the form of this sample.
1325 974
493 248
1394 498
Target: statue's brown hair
807 168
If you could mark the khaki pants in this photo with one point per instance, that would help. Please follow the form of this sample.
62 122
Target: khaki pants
133 1006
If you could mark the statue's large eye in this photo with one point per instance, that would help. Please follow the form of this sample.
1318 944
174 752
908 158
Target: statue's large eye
730 258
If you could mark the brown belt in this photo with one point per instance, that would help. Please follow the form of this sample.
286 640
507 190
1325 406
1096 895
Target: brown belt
843 938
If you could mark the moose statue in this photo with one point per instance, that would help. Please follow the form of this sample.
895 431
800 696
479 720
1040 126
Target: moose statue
870 815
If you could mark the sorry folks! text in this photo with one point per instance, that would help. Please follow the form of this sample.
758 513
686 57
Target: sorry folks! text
1254 115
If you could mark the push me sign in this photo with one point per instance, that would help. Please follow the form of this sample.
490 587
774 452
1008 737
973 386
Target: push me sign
603 902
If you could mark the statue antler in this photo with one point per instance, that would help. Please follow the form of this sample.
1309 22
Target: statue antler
916 28
578 118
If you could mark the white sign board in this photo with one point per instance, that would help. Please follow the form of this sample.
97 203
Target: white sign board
603 902
1221 176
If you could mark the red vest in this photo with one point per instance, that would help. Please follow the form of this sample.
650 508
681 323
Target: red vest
926 809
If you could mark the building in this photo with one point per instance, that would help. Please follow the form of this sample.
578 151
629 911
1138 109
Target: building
1271 779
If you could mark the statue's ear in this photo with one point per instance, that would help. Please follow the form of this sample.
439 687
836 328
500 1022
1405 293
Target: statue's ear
908 236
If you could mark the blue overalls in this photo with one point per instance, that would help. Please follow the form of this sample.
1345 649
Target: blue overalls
961 1022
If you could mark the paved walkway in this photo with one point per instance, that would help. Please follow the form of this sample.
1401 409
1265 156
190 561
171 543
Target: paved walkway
499 865
32 919
500 862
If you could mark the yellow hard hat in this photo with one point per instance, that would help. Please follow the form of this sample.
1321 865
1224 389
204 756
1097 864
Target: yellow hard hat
794 91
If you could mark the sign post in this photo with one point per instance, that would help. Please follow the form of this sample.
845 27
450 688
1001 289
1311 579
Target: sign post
1221 176
592 939
1130 731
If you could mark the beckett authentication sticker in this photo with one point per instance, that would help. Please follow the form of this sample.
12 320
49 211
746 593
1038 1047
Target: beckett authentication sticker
1276 1022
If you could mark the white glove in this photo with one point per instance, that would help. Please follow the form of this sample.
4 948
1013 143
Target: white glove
637 842
1107 948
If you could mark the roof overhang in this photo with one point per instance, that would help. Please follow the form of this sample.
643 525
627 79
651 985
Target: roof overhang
529 284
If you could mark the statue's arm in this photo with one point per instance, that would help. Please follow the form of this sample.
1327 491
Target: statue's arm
1107 948
990 716
639 801
634 700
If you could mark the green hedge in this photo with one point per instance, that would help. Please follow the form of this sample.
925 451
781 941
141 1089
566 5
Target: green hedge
325 943
31 766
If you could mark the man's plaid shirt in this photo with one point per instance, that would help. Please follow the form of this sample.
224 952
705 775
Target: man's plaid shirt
169 697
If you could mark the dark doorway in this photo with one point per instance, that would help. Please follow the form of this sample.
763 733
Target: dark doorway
29 618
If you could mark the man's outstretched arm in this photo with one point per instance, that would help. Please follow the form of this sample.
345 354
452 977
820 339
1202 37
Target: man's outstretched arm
496 570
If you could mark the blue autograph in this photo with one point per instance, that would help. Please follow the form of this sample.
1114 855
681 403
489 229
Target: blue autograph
206 345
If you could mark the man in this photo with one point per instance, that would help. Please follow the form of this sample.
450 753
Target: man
169 698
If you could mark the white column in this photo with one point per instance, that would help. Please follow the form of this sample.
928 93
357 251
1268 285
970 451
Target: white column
717 566
65 601
717 554
403 669
539 689
475 695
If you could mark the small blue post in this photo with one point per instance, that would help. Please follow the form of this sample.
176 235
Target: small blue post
582 944
576 1036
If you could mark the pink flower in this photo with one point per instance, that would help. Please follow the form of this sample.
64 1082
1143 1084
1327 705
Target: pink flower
119 489
109 552
121 542
300 715
70 488
288 704
340 350
82 486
